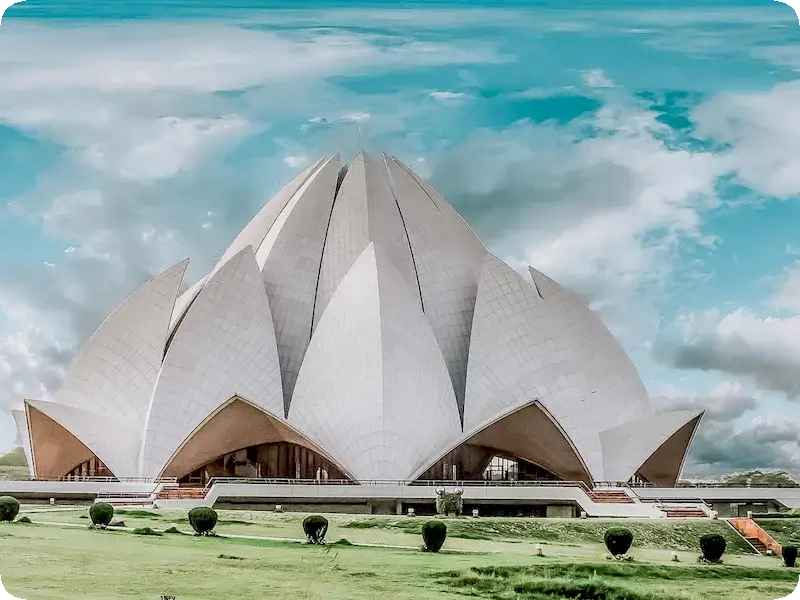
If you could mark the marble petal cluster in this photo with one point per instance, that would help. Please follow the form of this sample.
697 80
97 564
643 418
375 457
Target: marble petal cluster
359 318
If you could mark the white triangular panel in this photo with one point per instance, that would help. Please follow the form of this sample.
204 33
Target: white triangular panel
618 392
113 441
626 447
257 229
289 258
21 420
519 353
374 389
183 302
224 346
115 373
365 211
252 235
448 257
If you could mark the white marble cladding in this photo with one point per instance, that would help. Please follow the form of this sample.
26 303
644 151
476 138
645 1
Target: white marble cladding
224 347
386 404
363 309
365 211
627 446
290 258
117 368
448 258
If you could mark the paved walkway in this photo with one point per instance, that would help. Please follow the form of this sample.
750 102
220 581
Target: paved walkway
264 538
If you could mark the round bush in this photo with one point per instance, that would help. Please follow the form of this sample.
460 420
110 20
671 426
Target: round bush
434 534
712 545
203 520
315 527
9 508
789 554
101 514
618 540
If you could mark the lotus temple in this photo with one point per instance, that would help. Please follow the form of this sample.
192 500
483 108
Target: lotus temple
356 330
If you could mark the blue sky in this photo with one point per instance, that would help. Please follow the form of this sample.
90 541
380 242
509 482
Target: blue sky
645 153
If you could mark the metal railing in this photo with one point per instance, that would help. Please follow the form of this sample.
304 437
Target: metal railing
448 483
126 495
94 479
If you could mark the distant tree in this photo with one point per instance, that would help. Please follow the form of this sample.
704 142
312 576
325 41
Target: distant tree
758 478
14 458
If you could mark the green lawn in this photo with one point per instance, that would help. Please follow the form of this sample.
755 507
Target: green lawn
46 561
582 537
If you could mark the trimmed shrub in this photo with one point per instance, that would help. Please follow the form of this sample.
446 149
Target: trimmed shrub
101 514
789 554
315 527
203 520
9 508
434 534
146 531
23 520
618 540
712 545
449 503
173 529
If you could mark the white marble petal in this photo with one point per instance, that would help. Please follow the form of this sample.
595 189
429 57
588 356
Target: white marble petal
224 346
374 389
117 368
626 447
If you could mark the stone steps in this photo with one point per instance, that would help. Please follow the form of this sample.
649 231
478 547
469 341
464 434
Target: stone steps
757 544
182 494
684 513
610 497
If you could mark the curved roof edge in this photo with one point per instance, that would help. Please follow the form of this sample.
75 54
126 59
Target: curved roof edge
628 446
109 440
291 434
509 413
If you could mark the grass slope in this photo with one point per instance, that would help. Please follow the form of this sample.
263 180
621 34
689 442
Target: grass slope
784 531
672 535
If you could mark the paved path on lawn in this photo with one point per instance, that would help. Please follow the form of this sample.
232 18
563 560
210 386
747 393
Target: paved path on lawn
264 538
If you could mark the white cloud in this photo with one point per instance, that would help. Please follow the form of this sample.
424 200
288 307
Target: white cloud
741 343
296 162
444 95
355 117
763 132
788 296
596 78
604 214
725 402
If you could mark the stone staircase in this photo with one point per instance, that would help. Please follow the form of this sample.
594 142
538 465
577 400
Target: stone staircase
756 536
757 544
181 493
683 512
610 497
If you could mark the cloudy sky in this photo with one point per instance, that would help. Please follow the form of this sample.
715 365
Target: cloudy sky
645 153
